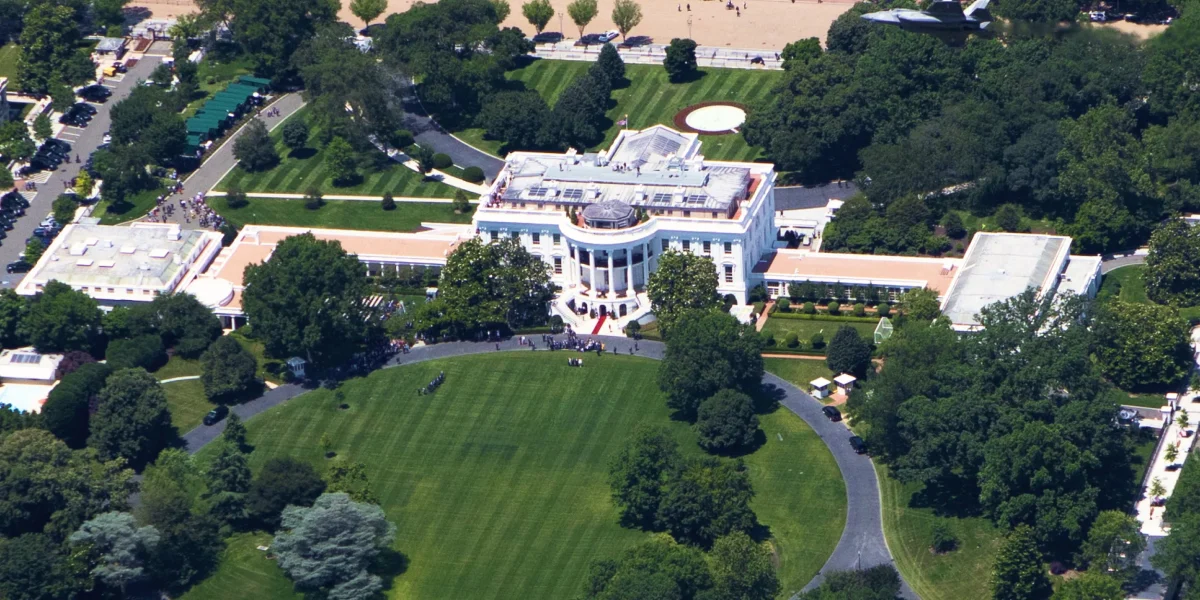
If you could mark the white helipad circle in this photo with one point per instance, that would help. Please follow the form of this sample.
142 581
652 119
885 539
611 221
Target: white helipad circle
719 117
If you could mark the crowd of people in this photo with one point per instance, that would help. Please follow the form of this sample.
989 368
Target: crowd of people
432 386
195 209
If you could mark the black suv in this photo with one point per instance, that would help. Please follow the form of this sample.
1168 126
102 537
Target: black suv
215 415
832 413
858 444
95 93
19 266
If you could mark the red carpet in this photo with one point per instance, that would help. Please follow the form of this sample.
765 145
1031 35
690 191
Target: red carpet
599 324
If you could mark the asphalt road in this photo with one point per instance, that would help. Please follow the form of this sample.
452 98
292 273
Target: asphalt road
83 143
862 543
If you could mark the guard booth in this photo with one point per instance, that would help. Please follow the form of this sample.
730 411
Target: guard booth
296 365
820 387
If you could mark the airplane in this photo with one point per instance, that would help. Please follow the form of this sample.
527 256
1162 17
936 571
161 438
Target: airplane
945 18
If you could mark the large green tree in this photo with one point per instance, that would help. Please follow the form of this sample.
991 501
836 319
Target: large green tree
15 143
34 567
1018 573
1177 555
743 569
1142 345
121 547
270 34
582 12
282 482
726 421
368 10
708 499
880 582
494 284
517 117
190 544
657 568
67 412
1091 586
254 148
309 300
1172 273
683 281
61 319
330 546
184 323
1113 545
227 369
538 13
132 420
638 472
848 352
50 49
708 352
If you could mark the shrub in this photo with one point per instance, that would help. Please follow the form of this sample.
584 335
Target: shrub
943 539
792 340
460 204
632 328
145 351
726 421
768 339
817 341
884 309
860 310
235 197
757 293
759 307
473 174
295 134
848 352
313 199
64 208
954 225
835 308
809 308
442 161
389 203
401 138
784 304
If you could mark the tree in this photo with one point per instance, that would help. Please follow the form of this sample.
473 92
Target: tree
1113 545
1172 273
227 370
1008 217
235 432
578 117
502 9
148 118
6 179
1090 586
12 313
309 300
1157 489
184 323
1176 555
15 143
270 35
1018 573
921 305
1045 11
295 131
1142 344
34 567
742 569
350 478
110 13
236 198
121 547
313 198
228 478
42 127
709 498
538 13
517 117
953 224
582 12
880 582
64 208
131 420
682 282
848 352
609 63
801 52
1172 453
339 156
657 568
680 61
423 156
191 542
388 202
67 410
368 10
329 546
144 351
282 482
726 421
254 148
34 249
460 204
708 352
626 15
638 472
488 284
49 49
61 319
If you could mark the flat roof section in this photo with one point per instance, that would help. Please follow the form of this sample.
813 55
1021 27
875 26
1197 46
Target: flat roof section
999 266
860 269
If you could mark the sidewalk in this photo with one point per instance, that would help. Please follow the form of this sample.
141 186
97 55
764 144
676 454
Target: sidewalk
288 196
653 54
1150 516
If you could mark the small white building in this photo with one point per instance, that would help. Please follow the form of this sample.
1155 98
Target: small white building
26 378
845 383
820 387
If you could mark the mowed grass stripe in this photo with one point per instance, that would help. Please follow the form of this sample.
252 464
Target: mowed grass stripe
498 482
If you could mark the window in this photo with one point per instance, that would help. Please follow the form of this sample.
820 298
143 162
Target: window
728 247
516 235
687 245
666 245
493 234
558 265
728 273
557 239
707 248
537 239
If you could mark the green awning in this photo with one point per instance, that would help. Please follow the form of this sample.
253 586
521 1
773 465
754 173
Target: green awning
259 82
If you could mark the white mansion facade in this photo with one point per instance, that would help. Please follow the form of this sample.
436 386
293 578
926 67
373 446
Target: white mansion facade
600 221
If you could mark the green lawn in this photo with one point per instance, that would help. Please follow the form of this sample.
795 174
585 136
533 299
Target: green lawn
1125 284
1148 400
246 572
805 328
798 371
134 208
297 172
9 53
338 214
268 368
497 482
187 402
178 367
649 99
962 573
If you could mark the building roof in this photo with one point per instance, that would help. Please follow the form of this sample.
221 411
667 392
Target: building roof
860 269
999 266
142 256
819 382
817 196
28 364
110 44
845 379
1081 271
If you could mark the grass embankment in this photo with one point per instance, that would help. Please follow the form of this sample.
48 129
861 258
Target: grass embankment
497 482
648 99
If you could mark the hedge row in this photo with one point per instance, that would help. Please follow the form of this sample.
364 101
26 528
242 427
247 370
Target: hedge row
823 317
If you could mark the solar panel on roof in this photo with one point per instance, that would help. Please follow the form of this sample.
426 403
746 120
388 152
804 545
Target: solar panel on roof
695 198
27 359
538 192
661 197
573 194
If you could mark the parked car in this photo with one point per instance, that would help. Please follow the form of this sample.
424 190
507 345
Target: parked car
832 413
18 266
95 93
610 35
215 415
858 444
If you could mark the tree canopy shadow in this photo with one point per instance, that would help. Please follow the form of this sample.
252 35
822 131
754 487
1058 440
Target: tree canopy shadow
958 498
389 565
302 153
692 77
768 399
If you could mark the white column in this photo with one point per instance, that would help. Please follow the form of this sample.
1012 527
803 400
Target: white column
592 266
645 263
612 287
629 271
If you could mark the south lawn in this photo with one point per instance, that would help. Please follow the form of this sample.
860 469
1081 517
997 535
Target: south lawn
337 214
497 482
299 171
648 99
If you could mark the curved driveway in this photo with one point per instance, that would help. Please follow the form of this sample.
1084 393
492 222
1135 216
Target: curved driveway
862 543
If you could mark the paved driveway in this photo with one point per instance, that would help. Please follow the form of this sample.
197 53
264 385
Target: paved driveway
862 543
83 143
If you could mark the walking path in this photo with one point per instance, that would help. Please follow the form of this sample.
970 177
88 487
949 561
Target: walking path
174 379
653 54
349 198
862 544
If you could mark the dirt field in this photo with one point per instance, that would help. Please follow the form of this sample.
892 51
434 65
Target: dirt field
765 24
